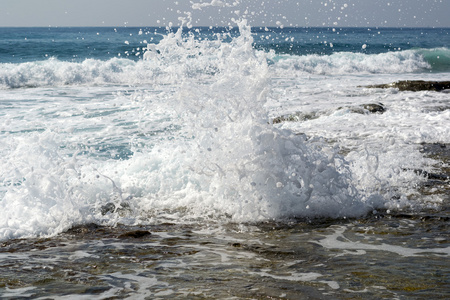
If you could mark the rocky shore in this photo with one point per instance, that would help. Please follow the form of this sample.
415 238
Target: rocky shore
415 85
364 109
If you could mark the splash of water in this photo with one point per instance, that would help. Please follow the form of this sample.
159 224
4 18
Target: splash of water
230 161
226 162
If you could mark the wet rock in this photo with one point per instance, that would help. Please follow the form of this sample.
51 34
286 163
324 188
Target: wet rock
437 150
111 208
84 229
432 176
374 108
296 117
364 109
438 180
415 85
108 208
136 234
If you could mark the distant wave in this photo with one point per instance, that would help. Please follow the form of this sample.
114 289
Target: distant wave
408 61
53 72
119 71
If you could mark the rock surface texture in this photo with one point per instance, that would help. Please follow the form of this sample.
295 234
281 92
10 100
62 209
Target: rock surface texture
415 85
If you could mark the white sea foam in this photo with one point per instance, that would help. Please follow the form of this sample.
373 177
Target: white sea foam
155 70
400 62
53 72
236 163
195 142
383 149
225 161
18 292
337 240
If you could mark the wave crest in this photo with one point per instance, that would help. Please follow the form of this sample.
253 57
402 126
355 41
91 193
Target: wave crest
408 61
164 69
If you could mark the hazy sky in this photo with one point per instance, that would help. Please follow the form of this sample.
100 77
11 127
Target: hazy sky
373 13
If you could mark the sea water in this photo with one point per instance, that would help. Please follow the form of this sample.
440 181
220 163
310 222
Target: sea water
171 130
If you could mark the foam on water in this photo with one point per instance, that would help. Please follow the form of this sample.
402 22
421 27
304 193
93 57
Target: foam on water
356 63
226 162
195 142
232 161
382 148
338 241
53 72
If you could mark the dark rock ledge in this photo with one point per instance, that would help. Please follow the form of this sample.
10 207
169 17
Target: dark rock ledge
364 109
415 85
439 179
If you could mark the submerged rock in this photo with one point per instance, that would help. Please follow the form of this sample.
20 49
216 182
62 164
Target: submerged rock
296 117
112 208
95 231
415 85
374 108
438 180
432 176
136 234
364 109
84 229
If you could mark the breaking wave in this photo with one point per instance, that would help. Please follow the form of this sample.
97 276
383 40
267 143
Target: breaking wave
53 72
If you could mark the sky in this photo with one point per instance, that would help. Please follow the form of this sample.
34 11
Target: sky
287 13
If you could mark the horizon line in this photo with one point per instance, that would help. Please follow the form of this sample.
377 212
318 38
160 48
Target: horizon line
216 26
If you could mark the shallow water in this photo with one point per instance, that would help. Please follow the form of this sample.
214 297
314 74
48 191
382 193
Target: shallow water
399 256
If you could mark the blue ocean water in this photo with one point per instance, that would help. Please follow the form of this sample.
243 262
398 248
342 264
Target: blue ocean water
76 44
32 56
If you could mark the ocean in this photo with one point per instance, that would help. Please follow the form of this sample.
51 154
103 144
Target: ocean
230 163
